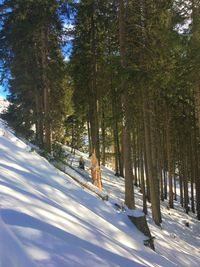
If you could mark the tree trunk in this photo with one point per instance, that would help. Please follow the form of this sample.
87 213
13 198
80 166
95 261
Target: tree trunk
39 120
136 182
181 183
197 172
94 119
151 160
169 160
185 187
118 160
175 193
103 133
46 90
146 171
142 175
129 188
89 136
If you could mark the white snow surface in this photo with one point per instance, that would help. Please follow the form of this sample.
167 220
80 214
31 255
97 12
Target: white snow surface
3 104
47 219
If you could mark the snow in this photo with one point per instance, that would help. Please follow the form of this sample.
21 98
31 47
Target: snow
135 213
48 219
3 104
173 240
9 244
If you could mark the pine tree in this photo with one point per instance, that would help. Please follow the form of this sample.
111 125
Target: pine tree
31 39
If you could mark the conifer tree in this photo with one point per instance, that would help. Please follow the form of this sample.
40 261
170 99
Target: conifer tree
31 38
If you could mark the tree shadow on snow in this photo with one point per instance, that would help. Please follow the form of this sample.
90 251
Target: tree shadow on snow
73 251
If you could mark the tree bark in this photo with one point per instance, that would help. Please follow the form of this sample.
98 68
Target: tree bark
129 187
94 119
151 160
169 160
46 89
103 134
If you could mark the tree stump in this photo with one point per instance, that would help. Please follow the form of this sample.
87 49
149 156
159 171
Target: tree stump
141 224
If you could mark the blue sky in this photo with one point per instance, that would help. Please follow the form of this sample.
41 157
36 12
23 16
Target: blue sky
2 92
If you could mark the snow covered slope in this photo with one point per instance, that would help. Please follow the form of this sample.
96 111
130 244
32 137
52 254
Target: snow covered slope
3 104
174 240
46 219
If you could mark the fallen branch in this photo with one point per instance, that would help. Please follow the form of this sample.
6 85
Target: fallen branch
75 175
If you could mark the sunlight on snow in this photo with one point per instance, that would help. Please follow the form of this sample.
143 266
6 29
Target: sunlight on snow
37 253
12 192
13 166
59 224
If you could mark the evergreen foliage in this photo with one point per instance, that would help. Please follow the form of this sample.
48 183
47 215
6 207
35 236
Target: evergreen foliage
31 39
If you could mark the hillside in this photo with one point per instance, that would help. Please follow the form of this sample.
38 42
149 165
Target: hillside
3 104
47 219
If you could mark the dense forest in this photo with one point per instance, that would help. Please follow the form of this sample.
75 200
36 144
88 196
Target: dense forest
117 77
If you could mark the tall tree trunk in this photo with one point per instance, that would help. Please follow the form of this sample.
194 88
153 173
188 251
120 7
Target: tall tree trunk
46 89
192 172
151 160
89 135
175 191
154 184
136 182
181 182
39 119
197 173
192 167
185 184
141 140
169 160
118 164
159 162
129 188
94 127
195 15
146 170
103 134
94 119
